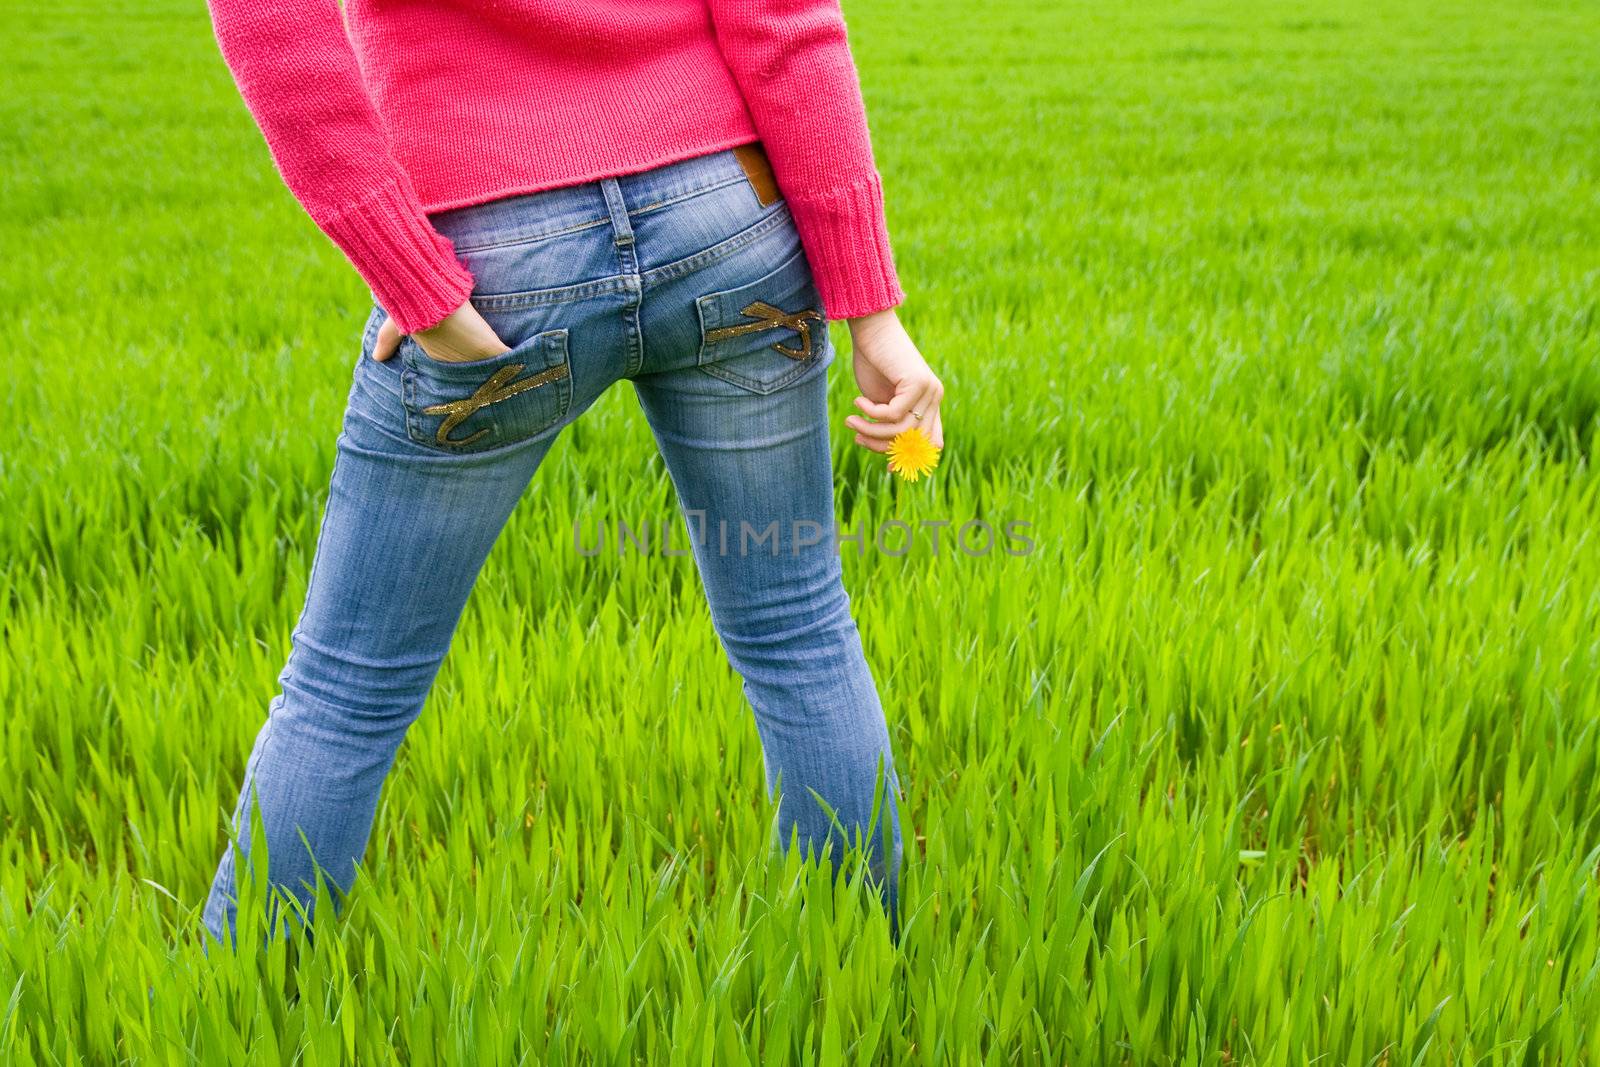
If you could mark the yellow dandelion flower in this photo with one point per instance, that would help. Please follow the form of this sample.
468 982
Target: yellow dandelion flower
912 454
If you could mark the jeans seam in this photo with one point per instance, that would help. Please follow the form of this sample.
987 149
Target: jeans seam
558 295
530 238
690 195
722 249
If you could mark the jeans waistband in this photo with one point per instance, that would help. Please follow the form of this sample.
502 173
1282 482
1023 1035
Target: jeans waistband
551 212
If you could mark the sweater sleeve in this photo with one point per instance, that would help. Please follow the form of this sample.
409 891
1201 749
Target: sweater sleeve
299 78
792 63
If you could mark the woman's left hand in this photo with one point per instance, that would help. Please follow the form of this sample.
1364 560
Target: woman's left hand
460 337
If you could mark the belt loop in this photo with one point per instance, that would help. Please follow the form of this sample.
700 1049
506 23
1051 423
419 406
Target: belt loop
618 210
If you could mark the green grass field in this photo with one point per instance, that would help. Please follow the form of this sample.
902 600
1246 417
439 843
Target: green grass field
1278 322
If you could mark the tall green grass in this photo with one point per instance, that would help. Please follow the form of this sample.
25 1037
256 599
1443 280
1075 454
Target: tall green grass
1277 321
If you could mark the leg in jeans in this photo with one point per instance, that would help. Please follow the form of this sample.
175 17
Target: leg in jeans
407 526
433 457
742 423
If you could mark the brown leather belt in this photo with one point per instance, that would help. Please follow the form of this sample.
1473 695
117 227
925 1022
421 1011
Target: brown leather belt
753 159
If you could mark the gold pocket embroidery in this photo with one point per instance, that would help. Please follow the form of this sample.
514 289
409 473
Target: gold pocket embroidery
772 318
500 386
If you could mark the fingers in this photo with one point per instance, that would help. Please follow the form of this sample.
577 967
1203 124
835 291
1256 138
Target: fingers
877 444
919 407
387 342
896 408
872 445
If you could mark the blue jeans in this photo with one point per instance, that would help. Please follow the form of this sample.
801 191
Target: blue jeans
683 281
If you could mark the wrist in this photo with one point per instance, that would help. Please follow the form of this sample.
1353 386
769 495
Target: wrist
863 325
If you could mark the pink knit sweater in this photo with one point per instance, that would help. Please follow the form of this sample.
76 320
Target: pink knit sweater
405 107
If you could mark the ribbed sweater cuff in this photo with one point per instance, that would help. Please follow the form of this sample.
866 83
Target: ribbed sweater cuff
847 242
411 267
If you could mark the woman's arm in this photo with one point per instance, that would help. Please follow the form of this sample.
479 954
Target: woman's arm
792 63
298 76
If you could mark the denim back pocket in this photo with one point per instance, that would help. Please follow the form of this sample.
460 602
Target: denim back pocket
766 333
486 403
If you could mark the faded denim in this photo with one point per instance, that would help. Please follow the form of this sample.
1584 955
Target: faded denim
683 282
